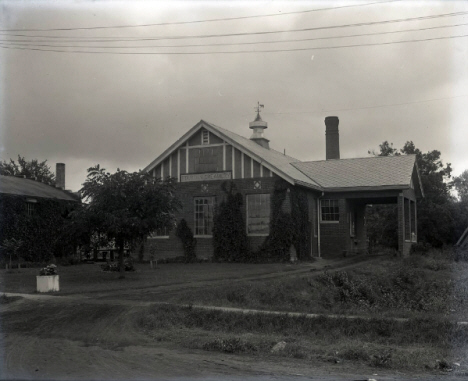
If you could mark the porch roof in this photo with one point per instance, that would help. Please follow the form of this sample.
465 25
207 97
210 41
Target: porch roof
369 173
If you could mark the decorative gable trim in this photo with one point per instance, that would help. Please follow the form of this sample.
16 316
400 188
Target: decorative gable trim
181 143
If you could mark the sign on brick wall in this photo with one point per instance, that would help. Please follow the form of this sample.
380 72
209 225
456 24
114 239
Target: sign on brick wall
205 176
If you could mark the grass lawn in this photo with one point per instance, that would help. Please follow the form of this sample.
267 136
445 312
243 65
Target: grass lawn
431 291
89 278
418 286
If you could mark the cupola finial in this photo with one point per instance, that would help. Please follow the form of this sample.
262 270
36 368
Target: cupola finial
258 108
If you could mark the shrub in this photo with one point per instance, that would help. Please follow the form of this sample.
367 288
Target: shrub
114 266
232 345
184 233
229 233
49 270
420 248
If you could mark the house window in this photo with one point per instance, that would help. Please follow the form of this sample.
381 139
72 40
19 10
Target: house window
205 137
160 233
30 206
258 214
330 211
204 215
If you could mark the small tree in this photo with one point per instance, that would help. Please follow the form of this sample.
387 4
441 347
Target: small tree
128 206
34 168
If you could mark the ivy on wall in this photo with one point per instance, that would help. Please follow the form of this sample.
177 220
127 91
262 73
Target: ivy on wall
43 234
289 225
229 232
185 234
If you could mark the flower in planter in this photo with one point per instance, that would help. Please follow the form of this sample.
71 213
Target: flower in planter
49 270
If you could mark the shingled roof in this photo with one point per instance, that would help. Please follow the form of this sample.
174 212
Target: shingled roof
370 173
18 186
378 172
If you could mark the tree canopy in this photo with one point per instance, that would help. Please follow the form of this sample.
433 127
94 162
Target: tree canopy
460 183
29 168
127 207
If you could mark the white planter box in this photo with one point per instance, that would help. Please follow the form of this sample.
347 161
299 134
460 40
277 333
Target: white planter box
47 283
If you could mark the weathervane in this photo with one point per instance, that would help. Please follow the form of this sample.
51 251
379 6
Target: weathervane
258 108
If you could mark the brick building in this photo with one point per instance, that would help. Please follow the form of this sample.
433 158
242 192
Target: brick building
338 190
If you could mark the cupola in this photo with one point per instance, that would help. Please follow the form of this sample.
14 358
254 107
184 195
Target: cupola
258 125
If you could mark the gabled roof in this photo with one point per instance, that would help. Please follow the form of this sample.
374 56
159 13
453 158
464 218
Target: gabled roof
370 173
269 158
378 172
18 186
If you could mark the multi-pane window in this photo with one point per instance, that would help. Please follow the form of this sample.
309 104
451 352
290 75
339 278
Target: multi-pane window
205 137
204 215
258 214
330 210
30 206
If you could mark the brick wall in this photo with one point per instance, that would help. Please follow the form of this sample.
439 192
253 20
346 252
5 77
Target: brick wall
172 247
333 234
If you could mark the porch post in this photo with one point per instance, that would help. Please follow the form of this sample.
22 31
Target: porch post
401 223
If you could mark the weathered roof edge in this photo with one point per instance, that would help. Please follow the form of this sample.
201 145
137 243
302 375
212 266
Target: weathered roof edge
74 195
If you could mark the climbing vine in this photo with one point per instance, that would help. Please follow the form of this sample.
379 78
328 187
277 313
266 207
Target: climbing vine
229 233
289 225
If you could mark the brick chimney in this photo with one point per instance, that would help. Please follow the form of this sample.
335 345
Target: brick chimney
332 137
60 176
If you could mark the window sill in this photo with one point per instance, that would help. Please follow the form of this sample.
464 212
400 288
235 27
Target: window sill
258 235
329 222
160 237
203 236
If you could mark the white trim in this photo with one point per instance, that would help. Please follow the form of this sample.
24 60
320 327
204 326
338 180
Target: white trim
224 155
242 165
251 167
319 212
233 162
204 146
186 158
178 165
170 165
202 135
213 130
261 170
160 237
162 169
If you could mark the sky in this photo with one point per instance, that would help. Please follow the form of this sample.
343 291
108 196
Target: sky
66 96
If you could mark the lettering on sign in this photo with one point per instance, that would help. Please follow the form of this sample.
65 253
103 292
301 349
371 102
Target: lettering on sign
205 176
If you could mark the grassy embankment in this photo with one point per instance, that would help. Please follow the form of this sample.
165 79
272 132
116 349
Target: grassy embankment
431 291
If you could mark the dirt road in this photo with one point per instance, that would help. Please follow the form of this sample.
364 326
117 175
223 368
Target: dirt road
67 340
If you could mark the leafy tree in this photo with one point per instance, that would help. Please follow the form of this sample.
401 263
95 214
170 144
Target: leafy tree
460 183
34 168
128 206
460 205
